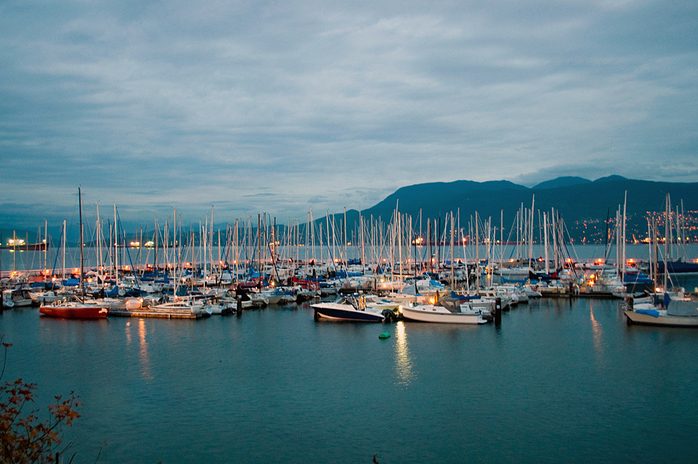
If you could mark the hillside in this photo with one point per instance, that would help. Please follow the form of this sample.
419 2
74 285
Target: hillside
583 204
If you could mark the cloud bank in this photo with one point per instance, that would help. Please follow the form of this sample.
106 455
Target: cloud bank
281 107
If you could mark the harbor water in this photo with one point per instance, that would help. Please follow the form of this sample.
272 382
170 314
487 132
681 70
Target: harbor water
560 380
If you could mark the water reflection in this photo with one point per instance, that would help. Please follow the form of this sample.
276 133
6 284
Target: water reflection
597 333
143 354
404 363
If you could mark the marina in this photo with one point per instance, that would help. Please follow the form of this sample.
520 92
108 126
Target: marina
558 380
356 232
514 352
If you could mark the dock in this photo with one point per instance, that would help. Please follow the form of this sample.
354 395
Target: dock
156 314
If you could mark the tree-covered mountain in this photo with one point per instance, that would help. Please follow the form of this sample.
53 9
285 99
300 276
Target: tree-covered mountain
583 204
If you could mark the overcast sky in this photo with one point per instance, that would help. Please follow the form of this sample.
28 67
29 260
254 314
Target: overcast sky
280 107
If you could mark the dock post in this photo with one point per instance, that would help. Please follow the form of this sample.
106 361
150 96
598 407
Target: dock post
498 311
238 309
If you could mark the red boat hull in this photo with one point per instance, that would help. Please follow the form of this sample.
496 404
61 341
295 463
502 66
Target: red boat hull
75 311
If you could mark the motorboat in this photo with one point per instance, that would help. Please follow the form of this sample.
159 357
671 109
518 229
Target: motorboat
350 308
447 310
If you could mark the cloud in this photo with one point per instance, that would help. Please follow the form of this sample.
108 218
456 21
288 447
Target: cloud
280 108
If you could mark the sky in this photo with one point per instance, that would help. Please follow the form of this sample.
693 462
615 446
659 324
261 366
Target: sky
281 107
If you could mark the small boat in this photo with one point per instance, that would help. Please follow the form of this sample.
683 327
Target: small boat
43 297
181 306
349 308
667 312
447 310
17 297
74 310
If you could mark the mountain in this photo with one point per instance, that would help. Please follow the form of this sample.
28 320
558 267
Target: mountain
561 182
583 204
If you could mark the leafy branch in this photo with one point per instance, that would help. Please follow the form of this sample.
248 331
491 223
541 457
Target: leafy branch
23 437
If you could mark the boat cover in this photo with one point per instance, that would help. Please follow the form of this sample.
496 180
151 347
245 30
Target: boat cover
649 312
682 308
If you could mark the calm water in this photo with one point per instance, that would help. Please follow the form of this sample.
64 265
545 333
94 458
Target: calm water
559 381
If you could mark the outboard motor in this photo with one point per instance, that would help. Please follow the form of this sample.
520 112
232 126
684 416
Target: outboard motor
389 316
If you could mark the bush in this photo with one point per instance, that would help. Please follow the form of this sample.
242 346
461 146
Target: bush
23 437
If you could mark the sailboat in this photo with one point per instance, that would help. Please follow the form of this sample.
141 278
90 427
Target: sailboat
667 311
76 309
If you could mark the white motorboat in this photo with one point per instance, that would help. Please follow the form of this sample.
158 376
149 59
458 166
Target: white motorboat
448 311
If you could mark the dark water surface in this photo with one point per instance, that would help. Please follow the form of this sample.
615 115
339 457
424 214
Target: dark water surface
559 381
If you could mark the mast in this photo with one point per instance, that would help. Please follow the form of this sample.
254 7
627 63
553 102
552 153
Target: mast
477 252
82 273
63 249
545 239
625 204
452 263
116 248
99 248
45 244
667 239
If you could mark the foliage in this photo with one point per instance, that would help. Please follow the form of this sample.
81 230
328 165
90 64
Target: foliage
23 437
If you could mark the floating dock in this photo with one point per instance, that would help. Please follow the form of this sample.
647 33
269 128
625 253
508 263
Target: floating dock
157 314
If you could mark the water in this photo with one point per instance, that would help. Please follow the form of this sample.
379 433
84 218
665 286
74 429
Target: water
559 381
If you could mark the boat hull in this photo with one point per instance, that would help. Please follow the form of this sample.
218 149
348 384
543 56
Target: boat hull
338 312
425 315
75 311
667 321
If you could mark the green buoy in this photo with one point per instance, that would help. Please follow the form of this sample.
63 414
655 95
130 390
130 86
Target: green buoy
384 335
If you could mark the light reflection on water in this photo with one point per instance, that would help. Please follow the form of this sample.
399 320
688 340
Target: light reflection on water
143 353
402 355
597 332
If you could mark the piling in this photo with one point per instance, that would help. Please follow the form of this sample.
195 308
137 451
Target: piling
498 311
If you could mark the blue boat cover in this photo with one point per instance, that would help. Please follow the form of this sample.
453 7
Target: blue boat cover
649 312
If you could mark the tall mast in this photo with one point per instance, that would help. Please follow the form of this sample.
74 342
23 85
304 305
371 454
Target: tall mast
63 249
116 248
452 264
82 273
667 239
625 204
99 248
